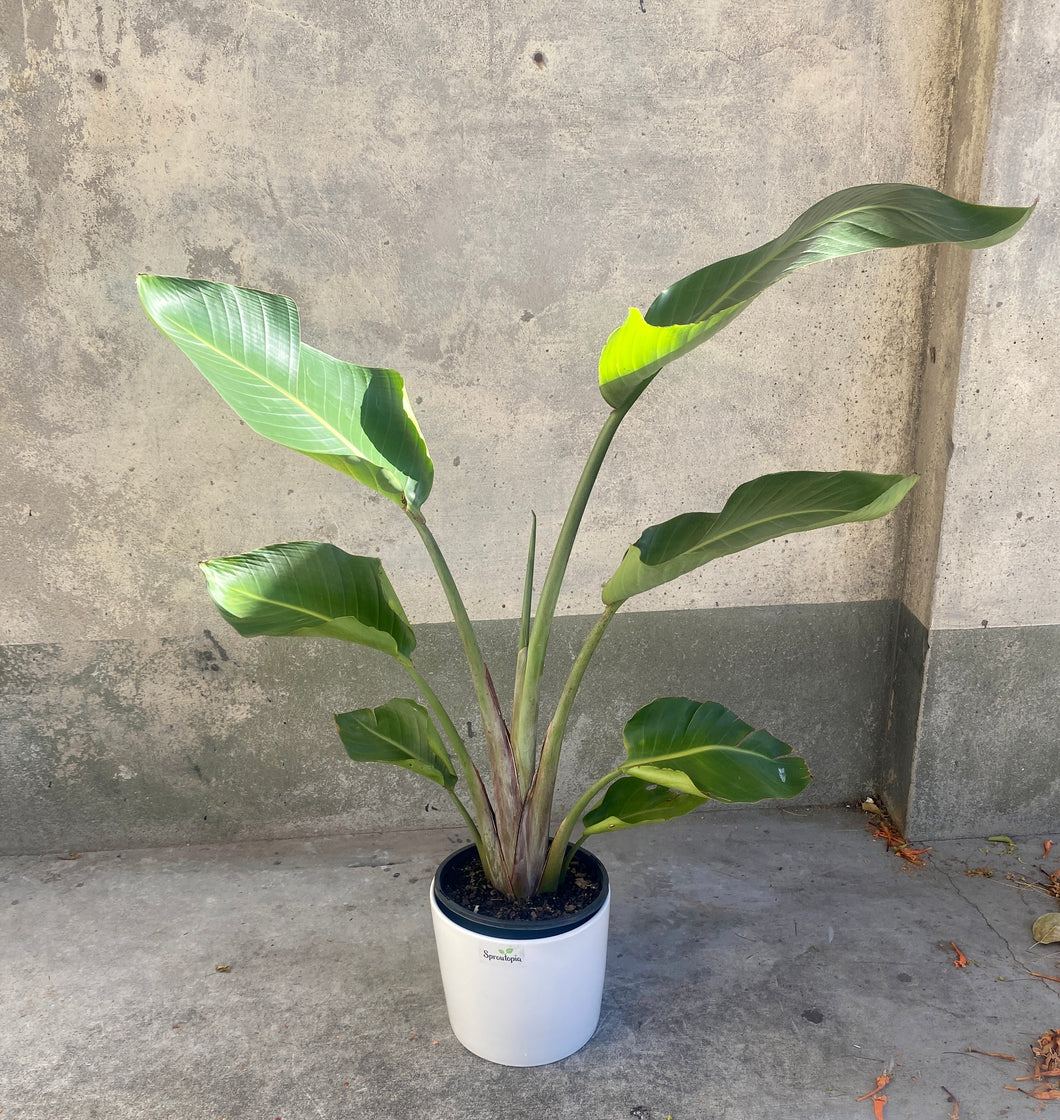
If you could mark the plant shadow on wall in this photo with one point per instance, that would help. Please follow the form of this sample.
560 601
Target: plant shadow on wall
358 420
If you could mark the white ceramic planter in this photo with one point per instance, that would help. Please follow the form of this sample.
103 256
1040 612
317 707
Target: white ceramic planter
518 1000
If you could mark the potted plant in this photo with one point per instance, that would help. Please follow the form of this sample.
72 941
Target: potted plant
521 915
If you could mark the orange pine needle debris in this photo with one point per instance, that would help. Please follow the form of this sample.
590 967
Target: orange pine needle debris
1040 1094
960 961
881 1083
1046 845
989 1054
882 829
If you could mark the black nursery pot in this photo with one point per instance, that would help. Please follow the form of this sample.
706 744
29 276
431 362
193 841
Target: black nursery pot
452 873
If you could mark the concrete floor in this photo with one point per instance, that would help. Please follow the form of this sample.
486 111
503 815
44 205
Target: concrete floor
763 964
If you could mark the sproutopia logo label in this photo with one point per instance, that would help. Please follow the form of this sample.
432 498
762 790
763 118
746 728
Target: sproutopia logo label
505 954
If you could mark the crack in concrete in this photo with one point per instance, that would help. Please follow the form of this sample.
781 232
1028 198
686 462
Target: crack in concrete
282 13
978 909
998 934
788 44
748 56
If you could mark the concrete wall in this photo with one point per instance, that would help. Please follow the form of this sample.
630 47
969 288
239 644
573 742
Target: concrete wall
436 200
978 679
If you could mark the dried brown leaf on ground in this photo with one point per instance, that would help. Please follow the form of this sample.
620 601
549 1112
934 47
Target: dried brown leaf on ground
1046 929
1046 1053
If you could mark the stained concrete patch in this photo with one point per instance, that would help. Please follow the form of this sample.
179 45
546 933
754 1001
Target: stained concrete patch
987 758
898 748
762 963
214 737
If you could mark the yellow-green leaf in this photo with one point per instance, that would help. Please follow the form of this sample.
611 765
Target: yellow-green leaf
875 216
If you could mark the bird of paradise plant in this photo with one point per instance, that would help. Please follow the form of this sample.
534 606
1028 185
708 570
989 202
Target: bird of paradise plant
358 420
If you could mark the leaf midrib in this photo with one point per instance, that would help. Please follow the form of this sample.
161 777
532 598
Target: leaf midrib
303 610
410 754
700 750
712 307
744 527
273 385
397 744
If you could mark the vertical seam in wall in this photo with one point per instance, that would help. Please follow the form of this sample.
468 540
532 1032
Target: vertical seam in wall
906 815
972 84
924 320
963 141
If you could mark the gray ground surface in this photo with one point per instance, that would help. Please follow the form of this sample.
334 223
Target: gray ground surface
763 964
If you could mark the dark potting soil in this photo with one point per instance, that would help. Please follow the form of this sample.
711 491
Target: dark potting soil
467 885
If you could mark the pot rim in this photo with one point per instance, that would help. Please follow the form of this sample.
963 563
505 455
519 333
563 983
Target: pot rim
517 929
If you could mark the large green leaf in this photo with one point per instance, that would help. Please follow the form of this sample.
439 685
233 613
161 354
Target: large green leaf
880 215
400 732
767 507
707 751
629 802
310 590
356 419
